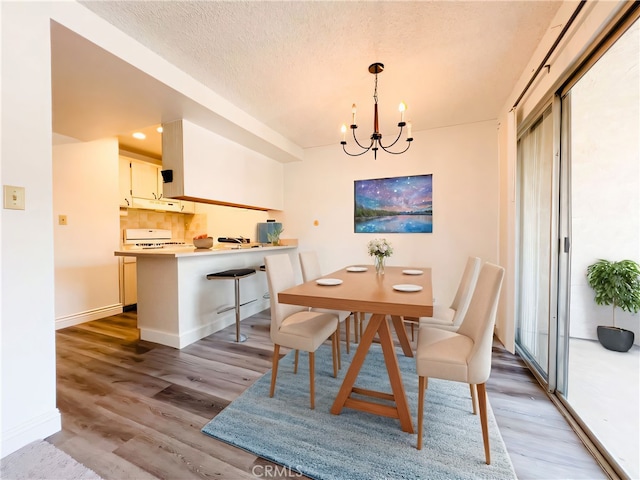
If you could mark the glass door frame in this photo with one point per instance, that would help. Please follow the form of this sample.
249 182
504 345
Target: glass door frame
546 374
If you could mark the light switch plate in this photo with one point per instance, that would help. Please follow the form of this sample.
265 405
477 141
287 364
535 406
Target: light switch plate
13 197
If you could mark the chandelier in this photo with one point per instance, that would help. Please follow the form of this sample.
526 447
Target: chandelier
376 136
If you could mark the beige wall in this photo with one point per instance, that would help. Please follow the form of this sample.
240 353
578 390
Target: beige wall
464 163
86 272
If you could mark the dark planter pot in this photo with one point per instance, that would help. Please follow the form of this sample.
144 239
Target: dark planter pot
616 339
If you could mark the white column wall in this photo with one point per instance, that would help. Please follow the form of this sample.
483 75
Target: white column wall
28 366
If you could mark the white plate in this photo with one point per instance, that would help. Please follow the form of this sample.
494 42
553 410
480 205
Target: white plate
356 269
407 287
328 281
412 272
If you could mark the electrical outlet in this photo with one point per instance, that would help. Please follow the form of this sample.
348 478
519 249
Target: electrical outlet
62 220
13 197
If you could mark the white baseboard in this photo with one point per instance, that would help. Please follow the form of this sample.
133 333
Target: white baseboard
89 315
37 428
187 338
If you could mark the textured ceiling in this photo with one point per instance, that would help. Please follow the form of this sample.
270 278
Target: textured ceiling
298 66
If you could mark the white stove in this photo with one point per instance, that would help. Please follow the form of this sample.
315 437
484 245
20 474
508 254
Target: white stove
147 238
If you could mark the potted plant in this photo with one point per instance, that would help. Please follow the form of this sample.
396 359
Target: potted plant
617 284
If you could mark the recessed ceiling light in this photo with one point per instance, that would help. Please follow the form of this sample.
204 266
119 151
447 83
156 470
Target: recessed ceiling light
139 135
159 129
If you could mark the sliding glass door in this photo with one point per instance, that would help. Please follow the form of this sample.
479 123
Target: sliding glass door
579 201
535 215
601 121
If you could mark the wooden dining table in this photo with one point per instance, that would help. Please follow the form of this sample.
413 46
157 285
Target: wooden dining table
361 289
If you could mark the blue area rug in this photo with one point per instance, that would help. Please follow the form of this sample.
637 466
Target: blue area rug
356 445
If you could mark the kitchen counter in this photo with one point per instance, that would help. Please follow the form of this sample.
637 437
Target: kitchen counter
177 305
190 250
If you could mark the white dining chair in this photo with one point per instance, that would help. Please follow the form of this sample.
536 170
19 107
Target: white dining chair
310 266
465 355
450 318
294 326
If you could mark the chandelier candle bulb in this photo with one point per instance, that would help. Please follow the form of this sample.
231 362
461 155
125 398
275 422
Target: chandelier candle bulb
343 129
402 108
409 130
353 114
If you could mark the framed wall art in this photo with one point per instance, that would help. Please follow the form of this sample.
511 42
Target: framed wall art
394 205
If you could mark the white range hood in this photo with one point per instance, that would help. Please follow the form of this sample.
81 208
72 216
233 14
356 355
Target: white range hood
161 205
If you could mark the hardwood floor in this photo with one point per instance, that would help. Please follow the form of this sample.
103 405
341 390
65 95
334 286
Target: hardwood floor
132 409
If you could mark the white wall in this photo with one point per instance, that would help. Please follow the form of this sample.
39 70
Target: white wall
464 163
215 168
28 366
85 189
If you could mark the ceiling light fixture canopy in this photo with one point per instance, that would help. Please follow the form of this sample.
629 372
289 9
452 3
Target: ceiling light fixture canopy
376 136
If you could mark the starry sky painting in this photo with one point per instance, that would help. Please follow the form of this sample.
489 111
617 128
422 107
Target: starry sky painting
394 205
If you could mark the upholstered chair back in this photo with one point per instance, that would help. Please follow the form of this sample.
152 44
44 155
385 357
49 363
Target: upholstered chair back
279 277
479 322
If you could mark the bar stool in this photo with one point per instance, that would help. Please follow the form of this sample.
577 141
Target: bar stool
235 274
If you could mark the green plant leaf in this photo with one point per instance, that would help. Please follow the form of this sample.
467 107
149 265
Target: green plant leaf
616 283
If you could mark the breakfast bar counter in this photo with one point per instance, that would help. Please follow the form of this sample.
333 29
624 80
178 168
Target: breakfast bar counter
177 305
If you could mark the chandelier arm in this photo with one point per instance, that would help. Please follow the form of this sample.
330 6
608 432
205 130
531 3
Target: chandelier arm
354 154
394 142
398 153
358 143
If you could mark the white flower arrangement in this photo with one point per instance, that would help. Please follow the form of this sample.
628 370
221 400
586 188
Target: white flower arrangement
379 247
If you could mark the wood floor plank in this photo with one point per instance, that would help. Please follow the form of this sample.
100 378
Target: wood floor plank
192 400
165 457
105 463
83 367
134 409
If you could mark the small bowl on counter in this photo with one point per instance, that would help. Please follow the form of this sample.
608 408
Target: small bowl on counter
203 243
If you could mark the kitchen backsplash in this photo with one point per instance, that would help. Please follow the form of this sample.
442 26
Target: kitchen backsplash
183 227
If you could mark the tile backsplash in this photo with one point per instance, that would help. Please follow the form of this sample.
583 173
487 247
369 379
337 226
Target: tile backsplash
183 227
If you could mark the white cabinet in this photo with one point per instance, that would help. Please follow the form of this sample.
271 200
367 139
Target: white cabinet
146 180
124 173
231 175
141 187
